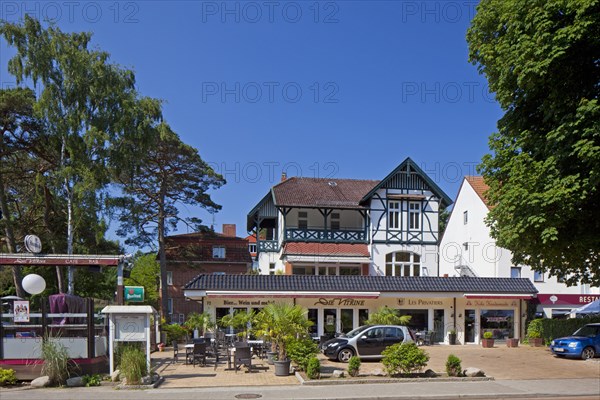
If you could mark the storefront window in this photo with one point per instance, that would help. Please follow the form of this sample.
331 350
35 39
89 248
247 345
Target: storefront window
402 263
220 313
347 316
363 316
418 320
499 322
313 316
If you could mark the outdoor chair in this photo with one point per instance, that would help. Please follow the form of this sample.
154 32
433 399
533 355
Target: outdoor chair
428 338
198 354
237 345
242 356
175 350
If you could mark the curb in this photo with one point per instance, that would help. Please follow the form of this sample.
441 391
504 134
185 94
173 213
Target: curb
354 381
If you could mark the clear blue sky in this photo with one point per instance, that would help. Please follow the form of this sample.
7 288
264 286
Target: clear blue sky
346 89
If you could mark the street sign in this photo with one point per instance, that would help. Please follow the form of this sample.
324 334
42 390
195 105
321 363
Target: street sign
134 293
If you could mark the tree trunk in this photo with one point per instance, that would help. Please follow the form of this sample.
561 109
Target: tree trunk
162 258
71 270
47 206
10 237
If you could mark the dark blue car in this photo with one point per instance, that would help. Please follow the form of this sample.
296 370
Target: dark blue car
585 343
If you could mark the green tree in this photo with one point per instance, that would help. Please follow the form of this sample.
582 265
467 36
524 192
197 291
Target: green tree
88 105
167 173
540 58
145 273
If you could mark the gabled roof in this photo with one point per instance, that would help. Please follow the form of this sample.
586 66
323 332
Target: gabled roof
321 192
198 247
326 249
480 187
352 283
410 165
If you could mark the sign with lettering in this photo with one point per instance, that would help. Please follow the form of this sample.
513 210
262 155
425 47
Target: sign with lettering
567 299
338 301
134 293
492 303
420 302
247 303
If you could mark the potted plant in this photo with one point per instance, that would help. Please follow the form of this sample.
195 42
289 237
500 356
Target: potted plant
161 346
240 321
488 340
284 323
452 336
199 323
512 342
534 333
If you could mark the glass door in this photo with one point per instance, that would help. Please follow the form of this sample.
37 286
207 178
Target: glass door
347 319
438 325
469 326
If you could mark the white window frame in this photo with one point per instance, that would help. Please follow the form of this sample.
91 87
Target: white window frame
170 278
272 268
218 252
252 247
414 216
170 306
538 276
515 268
402 264
394 215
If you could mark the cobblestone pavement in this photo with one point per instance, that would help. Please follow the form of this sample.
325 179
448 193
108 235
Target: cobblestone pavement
500 362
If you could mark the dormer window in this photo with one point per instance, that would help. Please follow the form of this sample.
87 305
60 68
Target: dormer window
218 252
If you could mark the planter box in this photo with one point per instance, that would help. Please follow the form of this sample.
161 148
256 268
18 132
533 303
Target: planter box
452 338
487 343
512 342
536 342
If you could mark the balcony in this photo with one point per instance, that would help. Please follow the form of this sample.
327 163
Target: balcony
268 246
325 236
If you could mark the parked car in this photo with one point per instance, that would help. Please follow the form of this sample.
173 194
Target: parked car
367 341
584 343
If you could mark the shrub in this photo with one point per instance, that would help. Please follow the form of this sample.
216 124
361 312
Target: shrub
353 366
174 332
488 335
56 361
534 330
133 364
301 351
313 368
453 367
92 380
549 329
404 358
7 377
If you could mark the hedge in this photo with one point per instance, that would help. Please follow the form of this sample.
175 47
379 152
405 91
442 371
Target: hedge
555 328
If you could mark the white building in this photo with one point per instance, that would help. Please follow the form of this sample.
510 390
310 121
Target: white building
467 249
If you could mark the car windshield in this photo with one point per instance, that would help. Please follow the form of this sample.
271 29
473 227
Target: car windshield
356 331
587 331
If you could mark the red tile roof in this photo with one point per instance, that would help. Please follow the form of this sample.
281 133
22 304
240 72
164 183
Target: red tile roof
198 246
322 192
326 249
480 187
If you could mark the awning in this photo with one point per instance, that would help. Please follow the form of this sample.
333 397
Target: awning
498 296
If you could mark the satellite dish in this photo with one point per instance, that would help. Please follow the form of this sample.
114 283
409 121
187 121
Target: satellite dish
33 244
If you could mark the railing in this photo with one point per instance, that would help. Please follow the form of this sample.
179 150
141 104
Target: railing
325 236
268 245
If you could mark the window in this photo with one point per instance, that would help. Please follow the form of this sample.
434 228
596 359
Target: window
170 305
394 215
465 217
538 276
302 220
252 247
335 221
303 270
414 216
402 263
169 277
560 278
271 268
181 318
218 252
515 272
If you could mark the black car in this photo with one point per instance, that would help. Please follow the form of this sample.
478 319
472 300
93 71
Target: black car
366 342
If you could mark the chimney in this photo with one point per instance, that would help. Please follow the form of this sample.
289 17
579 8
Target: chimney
229 230
283 176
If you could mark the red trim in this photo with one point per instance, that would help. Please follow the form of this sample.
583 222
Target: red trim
567 299
305 296
498 297
53 260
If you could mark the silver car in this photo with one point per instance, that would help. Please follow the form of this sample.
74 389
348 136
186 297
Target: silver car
366 342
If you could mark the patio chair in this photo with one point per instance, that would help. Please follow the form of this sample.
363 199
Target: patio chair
428 338
175 350
198 354
242 356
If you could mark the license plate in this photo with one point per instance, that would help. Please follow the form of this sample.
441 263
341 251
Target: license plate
559 350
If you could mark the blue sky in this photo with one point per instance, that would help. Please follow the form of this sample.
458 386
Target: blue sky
344 89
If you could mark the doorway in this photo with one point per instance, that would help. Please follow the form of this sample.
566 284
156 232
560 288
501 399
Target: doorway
438 325
469 326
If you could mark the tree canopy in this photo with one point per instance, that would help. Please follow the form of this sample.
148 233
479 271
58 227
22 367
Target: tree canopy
541 58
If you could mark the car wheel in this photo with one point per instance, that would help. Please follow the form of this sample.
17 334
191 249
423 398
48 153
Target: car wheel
344 355
587 353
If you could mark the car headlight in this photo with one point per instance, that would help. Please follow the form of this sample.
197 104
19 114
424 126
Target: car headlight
334 344
552 343
573 344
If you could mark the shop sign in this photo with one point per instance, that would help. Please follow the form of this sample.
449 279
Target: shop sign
338 301
567 299
492 303
247 302
419 302
134 293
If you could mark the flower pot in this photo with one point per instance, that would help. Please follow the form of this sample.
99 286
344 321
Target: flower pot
271 356
512 342
282 368
536 342
487 343
452 338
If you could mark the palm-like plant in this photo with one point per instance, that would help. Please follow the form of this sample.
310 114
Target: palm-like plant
240 321
388 316
201 322
283 322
